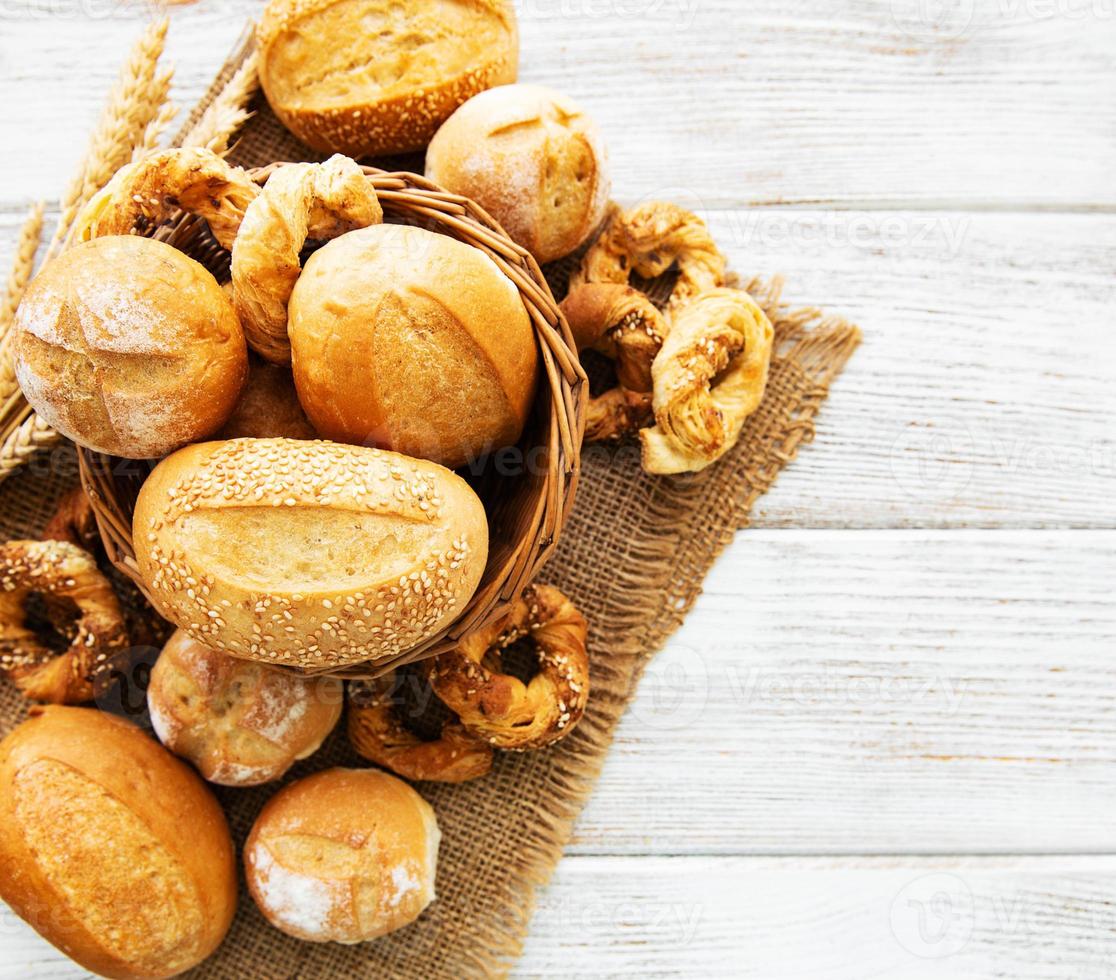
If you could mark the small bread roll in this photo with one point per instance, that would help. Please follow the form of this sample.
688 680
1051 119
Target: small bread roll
368 77
239 722
268 407
110 847
129 347
343 856
532 159
413 341
308 554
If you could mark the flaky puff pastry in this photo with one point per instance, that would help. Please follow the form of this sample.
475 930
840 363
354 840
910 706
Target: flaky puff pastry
622 324
650 239
299 201
708 378
153 188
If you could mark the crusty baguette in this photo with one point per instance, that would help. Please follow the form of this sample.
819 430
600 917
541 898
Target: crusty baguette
110 847
309 554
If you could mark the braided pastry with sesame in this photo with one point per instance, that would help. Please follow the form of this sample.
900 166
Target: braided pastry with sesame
622 324
649 240
58 570
708 378
501 709
377 733
150 190
299 201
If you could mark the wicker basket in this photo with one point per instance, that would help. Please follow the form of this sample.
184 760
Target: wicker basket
525 512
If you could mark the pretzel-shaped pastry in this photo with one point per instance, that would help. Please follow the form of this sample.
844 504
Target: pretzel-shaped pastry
623 325
709 377
58 570
74 521
648 241
299 201
500 708
154 187
378 734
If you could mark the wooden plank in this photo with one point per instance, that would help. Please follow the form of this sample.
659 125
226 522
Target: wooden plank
985 389
877 692
840 918
899 102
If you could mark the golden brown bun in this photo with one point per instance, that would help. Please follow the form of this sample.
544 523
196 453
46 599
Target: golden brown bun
532 159
268 407
239 722
344 855
309 554
413 341
128 347
368 77
110 847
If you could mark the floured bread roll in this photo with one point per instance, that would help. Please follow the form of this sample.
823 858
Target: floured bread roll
532 159
129 347
240 723
344 856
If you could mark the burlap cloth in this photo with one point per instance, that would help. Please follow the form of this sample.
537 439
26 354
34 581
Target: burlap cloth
632 557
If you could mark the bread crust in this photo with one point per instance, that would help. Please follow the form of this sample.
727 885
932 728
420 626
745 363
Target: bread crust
413 341
381 91
308 554
106 757
533 159
129 347
345 855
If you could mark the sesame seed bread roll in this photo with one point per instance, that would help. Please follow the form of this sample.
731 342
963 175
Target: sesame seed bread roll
129 347
110 847
308 554
368 77
239 722
343 856
533 159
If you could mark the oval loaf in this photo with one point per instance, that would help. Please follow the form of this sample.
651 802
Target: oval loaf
308 554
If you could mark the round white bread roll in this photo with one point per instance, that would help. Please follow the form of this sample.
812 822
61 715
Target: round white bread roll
240 723
344 856
413 341
129 347
532 159
110 847
308 554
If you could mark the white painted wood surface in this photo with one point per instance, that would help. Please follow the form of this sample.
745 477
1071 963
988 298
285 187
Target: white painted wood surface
882 745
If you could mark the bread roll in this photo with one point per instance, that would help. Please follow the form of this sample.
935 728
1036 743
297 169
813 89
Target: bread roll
128 347
367 77
345 855
413 341
307 553
268 407
239 722
110 847
532 159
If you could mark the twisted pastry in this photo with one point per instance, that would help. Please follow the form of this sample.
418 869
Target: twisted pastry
649 240
378 734
58 570
623 325
152 188
501 709
709 377
299 201
74 521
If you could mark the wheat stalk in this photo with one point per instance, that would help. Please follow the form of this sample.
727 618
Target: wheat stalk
23 264
228 112
23 442
135 101
154 132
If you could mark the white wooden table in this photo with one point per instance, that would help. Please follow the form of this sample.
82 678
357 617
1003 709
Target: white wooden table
884 744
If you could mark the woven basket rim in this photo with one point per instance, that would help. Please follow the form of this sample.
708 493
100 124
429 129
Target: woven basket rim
111 483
